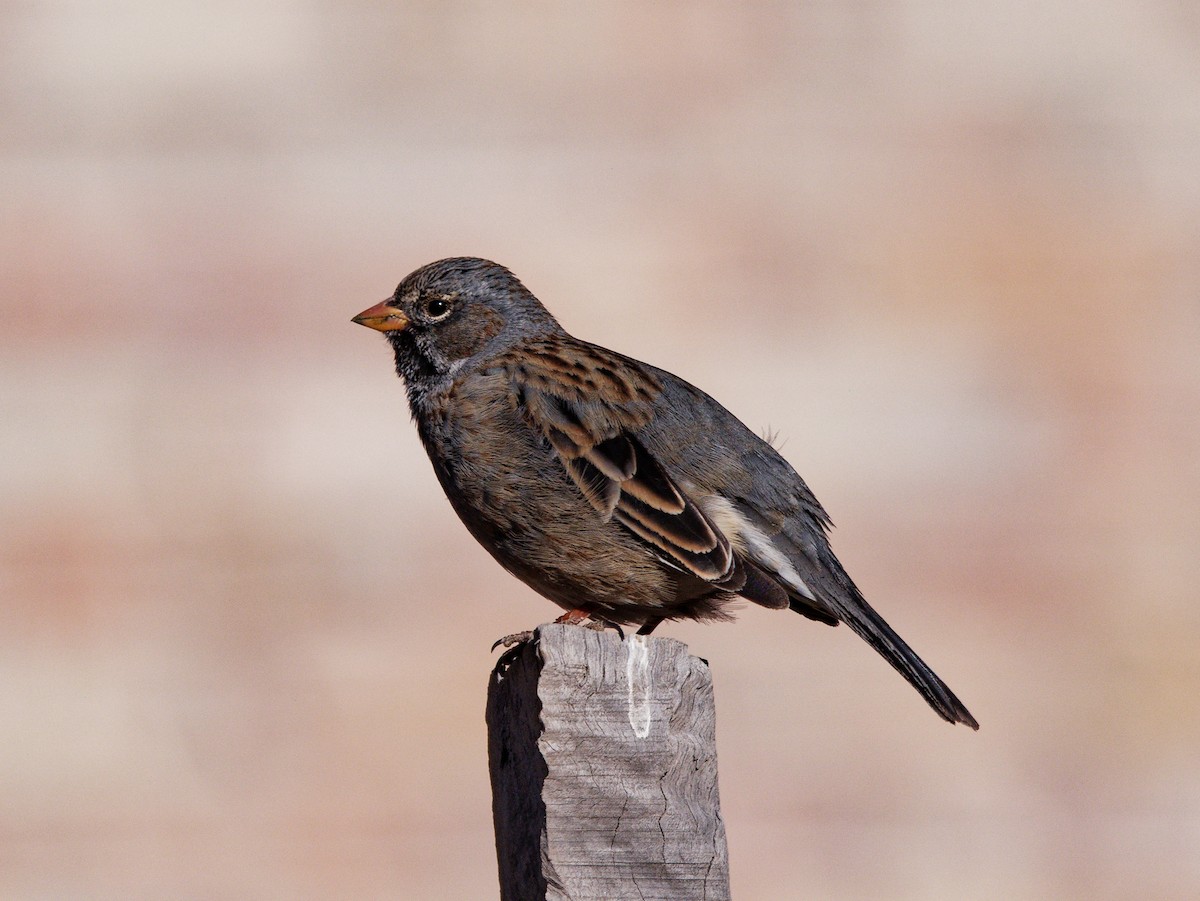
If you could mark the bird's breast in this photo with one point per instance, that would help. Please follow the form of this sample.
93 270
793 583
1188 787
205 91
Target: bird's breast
512 492
492 466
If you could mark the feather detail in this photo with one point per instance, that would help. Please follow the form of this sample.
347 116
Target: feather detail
589 403
615 457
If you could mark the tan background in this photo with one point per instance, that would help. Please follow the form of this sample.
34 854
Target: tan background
948 251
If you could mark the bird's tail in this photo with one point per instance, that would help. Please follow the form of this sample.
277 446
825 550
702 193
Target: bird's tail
852 609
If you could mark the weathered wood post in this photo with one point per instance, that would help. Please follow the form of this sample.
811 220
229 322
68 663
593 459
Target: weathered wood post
604 770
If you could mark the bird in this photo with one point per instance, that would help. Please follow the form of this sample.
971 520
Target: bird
615 489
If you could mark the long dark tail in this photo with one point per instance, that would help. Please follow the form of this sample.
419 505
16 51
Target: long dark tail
852 609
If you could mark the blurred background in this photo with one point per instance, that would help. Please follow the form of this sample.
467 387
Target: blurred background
948 252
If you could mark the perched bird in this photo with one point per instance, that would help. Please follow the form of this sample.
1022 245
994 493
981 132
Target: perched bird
612 487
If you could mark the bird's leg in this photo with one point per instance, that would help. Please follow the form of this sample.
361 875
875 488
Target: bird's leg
574 616
577 616
649 625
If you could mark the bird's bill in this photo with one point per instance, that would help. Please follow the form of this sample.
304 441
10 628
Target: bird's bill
383 317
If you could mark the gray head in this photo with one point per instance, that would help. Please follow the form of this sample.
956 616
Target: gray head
448 311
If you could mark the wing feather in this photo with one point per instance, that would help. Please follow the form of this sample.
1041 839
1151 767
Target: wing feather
589 403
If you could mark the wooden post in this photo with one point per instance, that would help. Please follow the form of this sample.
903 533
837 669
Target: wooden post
604 770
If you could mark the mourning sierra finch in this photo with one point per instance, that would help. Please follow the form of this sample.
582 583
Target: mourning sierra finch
613 488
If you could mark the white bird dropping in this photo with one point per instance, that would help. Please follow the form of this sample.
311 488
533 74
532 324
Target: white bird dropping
637 672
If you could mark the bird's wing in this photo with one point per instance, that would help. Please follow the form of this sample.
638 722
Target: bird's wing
590 403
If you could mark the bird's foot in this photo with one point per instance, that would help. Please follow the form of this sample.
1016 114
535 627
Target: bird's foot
510 641
601 624
577 617
582 616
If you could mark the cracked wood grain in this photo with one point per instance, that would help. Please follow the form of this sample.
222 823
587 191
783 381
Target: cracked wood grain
604 770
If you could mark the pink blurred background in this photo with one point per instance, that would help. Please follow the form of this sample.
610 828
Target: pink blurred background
948 252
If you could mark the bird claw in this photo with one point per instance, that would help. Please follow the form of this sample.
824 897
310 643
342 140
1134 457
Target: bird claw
600 625
513 640
596 624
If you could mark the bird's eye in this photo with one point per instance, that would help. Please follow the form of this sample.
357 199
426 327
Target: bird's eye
437 308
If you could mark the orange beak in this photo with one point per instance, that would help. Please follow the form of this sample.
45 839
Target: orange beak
383 317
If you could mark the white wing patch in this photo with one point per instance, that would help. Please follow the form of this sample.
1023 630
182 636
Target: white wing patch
748 538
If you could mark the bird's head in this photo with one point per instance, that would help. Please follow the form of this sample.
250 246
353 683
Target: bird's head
447 312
